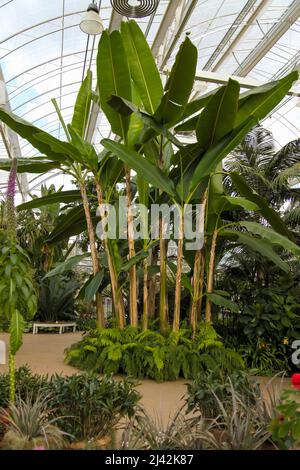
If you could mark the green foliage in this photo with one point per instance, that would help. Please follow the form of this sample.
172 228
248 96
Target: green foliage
90 407
152 354
27 384
17 291
29 424
56 298
264 358
82 406
285 427
204 389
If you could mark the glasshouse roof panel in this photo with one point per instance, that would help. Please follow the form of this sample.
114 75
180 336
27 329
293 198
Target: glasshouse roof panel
45 55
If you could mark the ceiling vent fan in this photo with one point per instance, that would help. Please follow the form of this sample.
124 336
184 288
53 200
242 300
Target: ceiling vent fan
135 8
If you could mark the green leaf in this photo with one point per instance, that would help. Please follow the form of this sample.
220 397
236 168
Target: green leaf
142 65
152 174
58 146
217 118
127 108
218 152
229 203
83 105
222 302
259 245
91 288
36 165
272 236
260 101
61 197
113 78
178 89
87 150
70 224
134 260
29 132
16 329
67 265
267 212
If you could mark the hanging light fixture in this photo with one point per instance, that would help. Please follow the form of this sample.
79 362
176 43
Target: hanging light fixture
134 8
91 22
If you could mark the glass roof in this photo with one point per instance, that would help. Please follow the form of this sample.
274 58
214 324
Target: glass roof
43 52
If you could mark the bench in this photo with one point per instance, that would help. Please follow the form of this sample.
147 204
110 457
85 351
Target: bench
60 326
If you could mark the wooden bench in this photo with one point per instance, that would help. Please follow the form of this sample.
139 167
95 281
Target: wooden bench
60 326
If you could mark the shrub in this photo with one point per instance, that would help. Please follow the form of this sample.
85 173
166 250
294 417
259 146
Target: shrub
206 387
28 424
82 405
152 354
27 384
90 407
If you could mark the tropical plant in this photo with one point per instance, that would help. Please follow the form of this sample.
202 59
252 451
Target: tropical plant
178 433
56 298
90 407
285 426
143 115
205 387
29 426
152 354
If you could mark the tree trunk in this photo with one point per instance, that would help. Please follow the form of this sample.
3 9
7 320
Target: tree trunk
94 253
210 277
132 273
196 290
163 303
145 295
116 292
152 285
177 307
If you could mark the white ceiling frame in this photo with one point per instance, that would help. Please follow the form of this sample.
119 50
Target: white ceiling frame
288 18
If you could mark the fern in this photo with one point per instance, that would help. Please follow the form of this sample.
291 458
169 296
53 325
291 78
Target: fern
151 354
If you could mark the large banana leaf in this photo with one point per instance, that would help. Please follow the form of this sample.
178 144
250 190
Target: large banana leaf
261 246
218 117
92 286
142 65
36 165
66 149
29 132
192 108
16 328
86 149
273 237
67 265
218 152
126 108
113 78
82 106
266 211
223 302
179 85
63 197
262 100
70 224
151 173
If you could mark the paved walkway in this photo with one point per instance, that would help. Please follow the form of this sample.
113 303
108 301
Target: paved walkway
44 354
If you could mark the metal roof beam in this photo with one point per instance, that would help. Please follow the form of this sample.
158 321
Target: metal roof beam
288 18
232 46
12 145
221 79
165 24
186 14
230 33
